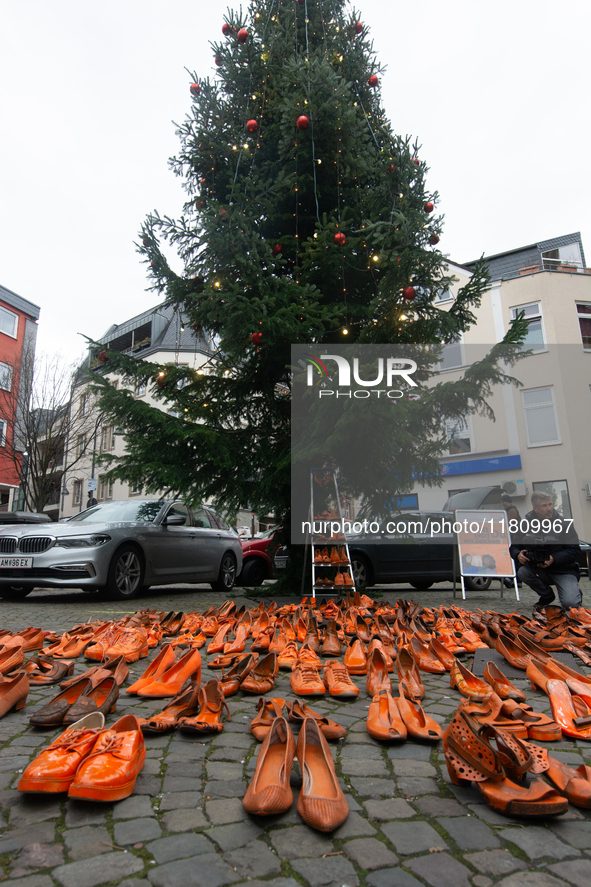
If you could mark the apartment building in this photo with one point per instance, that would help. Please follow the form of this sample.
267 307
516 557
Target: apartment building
540 437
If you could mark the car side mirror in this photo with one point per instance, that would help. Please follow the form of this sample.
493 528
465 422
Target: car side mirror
175 520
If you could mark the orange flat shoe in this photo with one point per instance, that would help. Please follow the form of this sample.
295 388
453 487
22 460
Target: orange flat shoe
232 680
384 721
13 693
539 726
331 645
539 673
377 673
298 711
305 680
468 684
110 771
132 643
173 679
53 712
321 804
54 768
269 792
163 661
565 714
184 705
45 670
261 678
337 680
501 684
211 709
307 656
12 657
268 710
575 785
418 724
355 659
408 675
102 698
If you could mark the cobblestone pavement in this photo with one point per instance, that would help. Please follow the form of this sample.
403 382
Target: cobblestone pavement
185 824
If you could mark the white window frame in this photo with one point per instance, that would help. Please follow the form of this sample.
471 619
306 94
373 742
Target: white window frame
443 295
105 489
538 315
3 430
459 341
77 492
465 422
8 313
5 371
584 316
80 444
140 389
544 405
105 438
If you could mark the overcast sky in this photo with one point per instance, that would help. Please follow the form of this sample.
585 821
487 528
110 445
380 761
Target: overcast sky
497 93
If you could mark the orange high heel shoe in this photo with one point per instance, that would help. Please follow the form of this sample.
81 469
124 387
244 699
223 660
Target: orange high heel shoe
211 709
384 721
298 711
377 673
171 681
269 791
321 804
163 661
268 710
408 675
501 684
184 704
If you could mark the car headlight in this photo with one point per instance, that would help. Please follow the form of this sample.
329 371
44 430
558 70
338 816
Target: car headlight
93 541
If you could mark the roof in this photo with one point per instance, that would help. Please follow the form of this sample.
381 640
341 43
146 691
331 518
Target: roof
20 304
508 264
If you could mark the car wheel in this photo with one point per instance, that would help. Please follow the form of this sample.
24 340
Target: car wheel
227 576
477 583
254 573
126 574
421 586
15 592
361 572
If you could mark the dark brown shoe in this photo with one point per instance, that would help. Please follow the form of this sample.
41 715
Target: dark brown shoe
53 713
102 698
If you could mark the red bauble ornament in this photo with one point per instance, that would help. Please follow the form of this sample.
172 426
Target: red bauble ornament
102 356
219 61
252 126
359 27
434 239
391 168
339 238
256 338
373 80
409 293
226 29
161 381
303 122
242 35
429 207
195 89
416 161
146 242
277 249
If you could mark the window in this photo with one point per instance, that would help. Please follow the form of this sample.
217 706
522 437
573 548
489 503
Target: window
83 404
106 438
451 356
77 492
535 338
179 510
105 488
458 433
8 322
135 488
140 389
201 518
5 376
3 427
584 313
80 444
541 421
558 492
443 296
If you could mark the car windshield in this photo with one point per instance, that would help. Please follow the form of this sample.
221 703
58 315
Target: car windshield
269 533
125 511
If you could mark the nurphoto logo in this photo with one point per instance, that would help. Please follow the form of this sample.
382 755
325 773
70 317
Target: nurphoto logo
386 371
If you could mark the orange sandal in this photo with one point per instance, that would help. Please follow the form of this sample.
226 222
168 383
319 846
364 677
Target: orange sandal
212 705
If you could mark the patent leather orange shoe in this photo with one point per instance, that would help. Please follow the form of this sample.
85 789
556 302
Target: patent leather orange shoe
110 771
13 693
161 663
321 804
211 709
468 684
355 658
501 684
268 710
172 680
261 678
54 768
298 711
338 681
269 792
383 718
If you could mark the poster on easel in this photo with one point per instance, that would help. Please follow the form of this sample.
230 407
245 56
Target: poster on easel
483 544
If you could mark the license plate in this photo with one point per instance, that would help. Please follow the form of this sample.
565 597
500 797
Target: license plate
280 565
16 563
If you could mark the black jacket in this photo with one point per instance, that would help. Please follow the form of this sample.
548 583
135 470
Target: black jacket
563 546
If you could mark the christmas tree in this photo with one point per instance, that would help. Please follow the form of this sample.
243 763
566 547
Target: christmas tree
307 220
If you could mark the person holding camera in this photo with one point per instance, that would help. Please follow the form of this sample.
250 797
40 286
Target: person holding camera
547 555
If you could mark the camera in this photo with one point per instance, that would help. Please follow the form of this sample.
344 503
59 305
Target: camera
536 553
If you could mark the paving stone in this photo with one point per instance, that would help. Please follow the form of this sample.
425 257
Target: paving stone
483 811
369 767
481 881
469 833
395 877
178 847
370 853
431 806
9 765
196 871
393 808
218 789
31 881
373 788
188 769
88 841
575 871
413 786
41 856
229 837
147 785
412 837
300 841
130 831
440 870
364 738
538 842
181 784
134 882
225 810
495 862
254 860
40 833
34 809
577 834
274 882
334 871
357 752
186 751
133 808
411 750
98 870
531 879
353 827
234 740
410 767
176 800
151 767
223 770
184 820
228 754
354 807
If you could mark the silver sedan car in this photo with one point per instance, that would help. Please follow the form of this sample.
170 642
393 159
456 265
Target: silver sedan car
123 547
